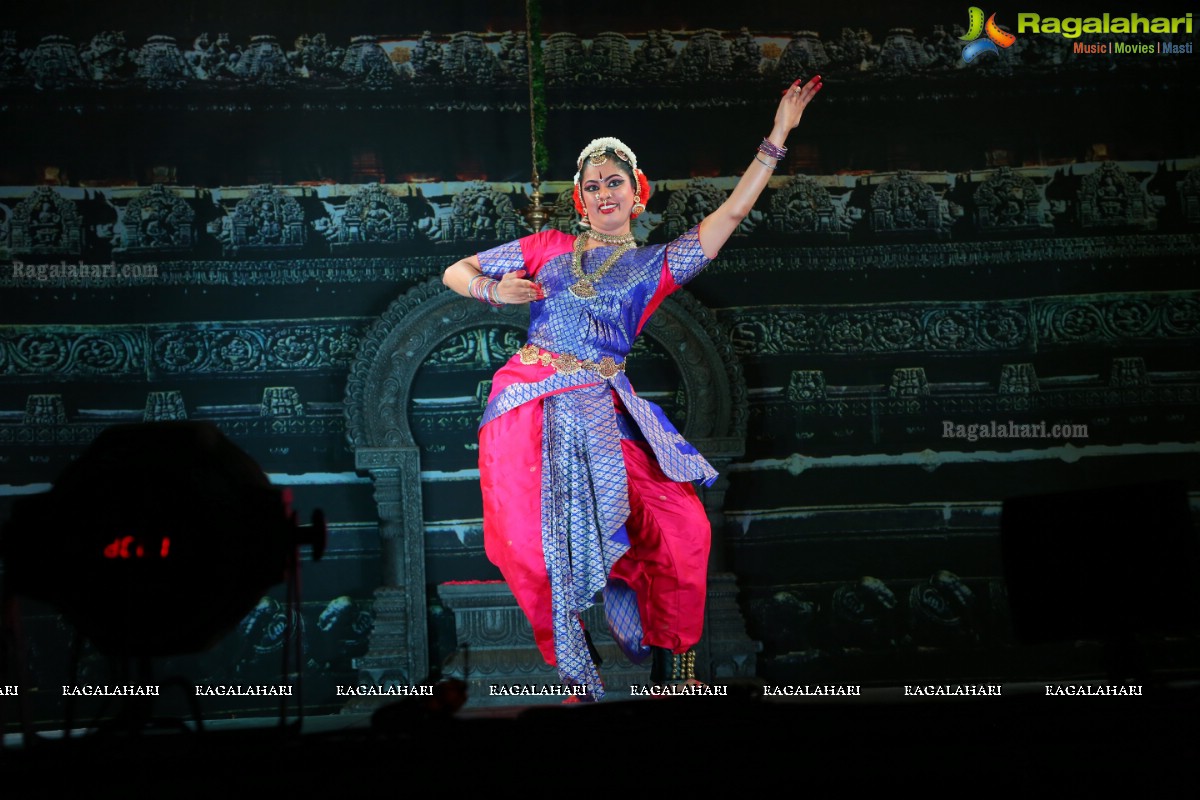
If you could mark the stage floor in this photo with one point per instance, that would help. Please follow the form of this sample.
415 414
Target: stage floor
1021 739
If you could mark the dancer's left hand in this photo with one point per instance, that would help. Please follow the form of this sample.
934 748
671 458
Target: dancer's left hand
795 99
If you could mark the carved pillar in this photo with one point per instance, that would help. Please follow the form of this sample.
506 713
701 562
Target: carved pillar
726 651
164 405
398 653
1018 379
45 409
1128 371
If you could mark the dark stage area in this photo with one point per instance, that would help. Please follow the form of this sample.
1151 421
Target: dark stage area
1022 741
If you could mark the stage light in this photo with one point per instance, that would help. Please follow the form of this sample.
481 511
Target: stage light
157 541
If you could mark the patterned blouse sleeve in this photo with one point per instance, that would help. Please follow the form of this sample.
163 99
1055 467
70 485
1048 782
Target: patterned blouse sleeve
529 253
501 260
685 257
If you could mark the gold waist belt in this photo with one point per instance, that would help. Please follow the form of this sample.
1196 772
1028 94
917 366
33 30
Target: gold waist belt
567 364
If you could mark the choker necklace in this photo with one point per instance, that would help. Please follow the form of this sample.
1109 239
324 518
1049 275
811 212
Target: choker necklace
608 238
585 285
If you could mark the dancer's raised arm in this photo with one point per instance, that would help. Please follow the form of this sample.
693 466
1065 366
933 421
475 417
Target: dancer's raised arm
717 227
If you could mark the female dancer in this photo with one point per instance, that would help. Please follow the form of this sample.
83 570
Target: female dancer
587 487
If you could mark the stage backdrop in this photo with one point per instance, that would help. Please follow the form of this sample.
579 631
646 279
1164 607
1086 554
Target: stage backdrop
969 280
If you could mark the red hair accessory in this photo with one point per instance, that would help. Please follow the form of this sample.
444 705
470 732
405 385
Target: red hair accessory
642 193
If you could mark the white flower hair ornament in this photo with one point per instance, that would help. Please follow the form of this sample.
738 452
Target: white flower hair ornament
596 154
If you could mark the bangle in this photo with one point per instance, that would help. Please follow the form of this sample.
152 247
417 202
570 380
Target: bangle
771 167
767 148
485 290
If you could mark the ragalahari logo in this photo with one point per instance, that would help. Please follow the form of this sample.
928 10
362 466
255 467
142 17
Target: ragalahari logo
995 37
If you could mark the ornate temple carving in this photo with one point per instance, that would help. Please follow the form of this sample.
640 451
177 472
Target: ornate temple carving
901 53
564 57
1111 198
6 220
687 206
367 65
611 56
468 60
942 610
482 214
655 56
266 220
1018 379
46 223
745 56
226 349
1128 371
904 205
864 614
312 57
55 64
514 57
164 405
563 216
161 64
105 57
11 67
1010 202
371 216
214 59
853 50
469 57
1189 196
264 62
804 206
939 329
706 56
281 401
805 385
426 59
1162 316
945 47
804 55
45 351
908 382
45 409
157 221
120 221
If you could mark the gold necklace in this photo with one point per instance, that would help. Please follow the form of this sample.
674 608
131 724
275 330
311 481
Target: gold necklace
608 238
585 285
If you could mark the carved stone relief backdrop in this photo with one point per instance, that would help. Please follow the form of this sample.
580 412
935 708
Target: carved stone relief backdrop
204 224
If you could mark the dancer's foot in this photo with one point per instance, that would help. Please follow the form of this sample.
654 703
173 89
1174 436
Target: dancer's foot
673 669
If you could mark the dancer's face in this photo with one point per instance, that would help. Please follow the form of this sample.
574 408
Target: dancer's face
608 196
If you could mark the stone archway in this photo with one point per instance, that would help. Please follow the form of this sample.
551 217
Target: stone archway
378 398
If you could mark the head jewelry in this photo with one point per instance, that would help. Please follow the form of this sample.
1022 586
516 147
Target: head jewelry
596 154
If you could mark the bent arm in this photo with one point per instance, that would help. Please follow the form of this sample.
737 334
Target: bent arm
458 275
513 288
717 227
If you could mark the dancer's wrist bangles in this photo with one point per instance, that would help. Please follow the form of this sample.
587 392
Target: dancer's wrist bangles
485 290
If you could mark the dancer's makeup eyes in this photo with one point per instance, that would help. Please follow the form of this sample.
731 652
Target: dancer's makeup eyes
593 186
